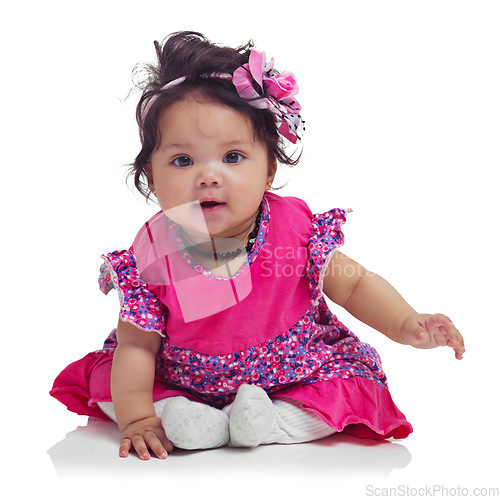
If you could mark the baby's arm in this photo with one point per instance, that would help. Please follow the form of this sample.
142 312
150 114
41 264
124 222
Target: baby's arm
132 377
372 300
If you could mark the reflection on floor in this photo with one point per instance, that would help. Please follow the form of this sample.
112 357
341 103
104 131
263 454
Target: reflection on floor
93 450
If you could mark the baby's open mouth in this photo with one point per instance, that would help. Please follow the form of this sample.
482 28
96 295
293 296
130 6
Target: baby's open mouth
210 204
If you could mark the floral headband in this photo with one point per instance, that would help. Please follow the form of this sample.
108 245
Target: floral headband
280 87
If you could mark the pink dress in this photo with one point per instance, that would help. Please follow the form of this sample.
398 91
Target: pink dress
267 325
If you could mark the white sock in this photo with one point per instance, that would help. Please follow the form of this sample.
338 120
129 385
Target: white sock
189 425
194 426
254 419
251 417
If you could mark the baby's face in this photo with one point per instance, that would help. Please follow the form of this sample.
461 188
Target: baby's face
209 163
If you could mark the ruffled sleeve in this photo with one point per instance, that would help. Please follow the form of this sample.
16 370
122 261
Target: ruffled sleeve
139 305
326 237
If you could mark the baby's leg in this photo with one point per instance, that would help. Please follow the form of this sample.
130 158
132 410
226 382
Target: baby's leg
187 424
295 424
254 419
109 409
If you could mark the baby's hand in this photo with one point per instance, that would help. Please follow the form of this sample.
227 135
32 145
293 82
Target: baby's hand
427 331
144 434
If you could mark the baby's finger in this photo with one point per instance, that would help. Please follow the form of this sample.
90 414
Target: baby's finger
440 336
155 445
167 444
456 341
433 326
125 447
453 340
442 320
140 447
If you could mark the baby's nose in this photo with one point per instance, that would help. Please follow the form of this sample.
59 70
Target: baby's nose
210 175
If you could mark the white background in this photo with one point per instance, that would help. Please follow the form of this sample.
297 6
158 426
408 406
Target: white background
402 110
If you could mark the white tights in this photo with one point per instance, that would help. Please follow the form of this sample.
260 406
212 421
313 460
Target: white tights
251 420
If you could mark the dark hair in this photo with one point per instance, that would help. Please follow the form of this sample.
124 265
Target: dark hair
190 54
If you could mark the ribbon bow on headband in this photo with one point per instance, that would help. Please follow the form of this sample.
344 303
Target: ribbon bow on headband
280 87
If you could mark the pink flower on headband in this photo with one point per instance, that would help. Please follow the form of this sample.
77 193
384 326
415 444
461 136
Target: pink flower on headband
281 87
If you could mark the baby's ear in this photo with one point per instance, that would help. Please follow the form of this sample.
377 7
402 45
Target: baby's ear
149 174
273 167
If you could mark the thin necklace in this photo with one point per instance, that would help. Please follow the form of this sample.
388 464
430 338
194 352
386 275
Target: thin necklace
252 237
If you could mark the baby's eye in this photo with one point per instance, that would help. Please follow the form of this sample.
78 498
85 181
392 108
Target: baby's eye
233 157
183 161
